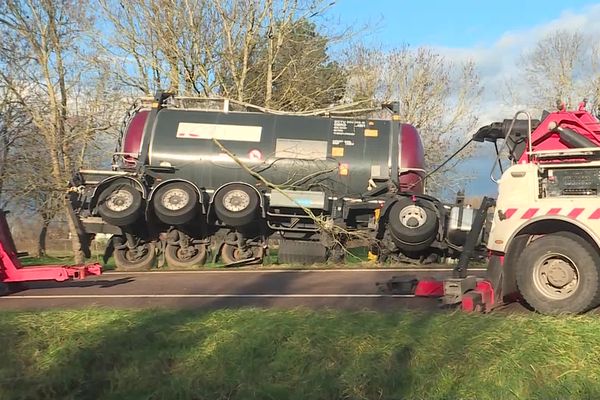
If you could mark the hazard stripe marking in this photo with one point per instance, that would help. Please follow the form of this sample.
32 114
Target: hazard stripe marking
553 211
510 212
595 214
530 213
575 212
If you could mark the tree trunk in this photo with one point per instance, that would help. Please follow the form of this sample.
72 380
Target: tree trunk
41 250
76 244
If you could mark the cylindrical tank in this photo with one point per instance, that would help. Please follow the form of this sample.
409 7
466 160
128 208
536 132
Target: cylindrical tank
338 156
132 140
412 160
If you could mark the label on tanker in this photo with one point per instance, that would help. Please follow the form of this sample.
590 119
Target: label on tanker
347 128
302 149
238 133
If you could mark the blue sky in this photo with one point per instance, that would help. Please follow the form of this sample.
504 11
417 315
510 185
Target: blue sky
459 23
493 34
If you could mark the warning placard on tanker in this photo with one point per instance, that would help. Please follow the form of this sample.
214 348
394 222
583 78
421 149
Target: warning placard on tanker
346 127
304 149
238 133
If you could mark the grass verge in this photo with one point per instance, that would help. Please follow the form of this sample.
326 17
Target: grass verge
296 354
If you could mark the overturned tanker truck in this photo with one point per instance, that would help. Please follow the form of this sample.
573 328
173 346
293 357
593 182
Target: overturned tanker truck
188 181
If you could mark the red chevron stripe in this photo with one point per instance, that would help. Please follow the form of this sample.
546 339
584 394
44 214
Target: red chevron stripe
575 212
510 212
595 214
530 213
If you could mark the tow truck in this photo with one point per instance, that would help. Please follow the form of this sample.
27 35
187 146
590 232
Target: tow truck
544 242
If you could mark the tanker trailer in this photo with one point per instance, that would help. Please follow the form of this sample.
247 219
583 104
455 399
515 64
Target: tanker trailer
186 175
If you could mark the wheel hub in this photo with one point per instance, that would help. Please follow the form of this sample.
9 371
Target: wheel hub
175 199
236 200
413 216
560 273
136 253
119 200
556 276
187 253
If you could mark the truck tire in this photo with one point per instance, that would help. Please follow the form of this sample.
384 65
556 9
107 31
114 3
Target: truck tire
231 254
413 224
558 273
125 260
236 205
176 203
120 204
194 257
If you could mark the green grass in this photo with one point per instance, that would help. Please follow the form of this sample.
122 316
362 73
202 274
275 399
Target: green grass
296 354
64 260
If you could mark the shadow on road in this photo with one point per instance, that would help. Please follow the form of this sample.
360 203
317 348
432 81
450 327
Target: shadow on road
103 283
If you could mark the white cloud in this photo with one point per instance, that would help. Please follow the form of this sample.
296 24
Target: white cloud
499 63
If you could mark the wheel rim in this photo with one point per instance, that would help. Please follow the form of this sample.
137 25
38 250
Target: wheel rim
556 276
119 200
189 253
413 216
137 254
236 200
236 254
175 199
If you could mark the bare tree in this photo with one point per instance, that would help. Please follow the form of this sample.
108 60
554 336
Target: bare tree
48 56
554 68
268 52
436 96
14 125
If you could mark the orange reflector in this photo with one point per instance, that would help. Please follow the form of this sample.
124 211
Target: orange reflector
344 169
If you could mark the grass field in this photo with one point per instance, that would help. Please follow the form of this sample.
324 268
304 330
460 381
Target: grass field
296 354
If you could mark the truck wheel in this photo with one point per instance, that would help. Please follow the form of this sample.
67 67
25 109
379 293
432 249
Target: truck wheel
236 205
139 259
191 256
120 204
176 203
413 224
231 254
558 273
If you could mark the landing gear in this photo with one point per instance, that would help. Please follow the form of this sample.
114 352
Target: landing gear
134 254
184 252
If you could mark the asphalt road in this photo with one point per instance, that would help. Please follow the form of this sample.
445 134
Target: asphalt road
345 289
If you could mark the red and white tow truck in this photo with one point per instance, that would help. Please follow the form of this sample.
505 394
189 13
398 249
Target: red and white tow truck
544 242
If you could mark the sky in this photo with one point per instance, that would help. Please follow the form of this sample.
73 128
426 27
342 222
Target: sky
491 33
